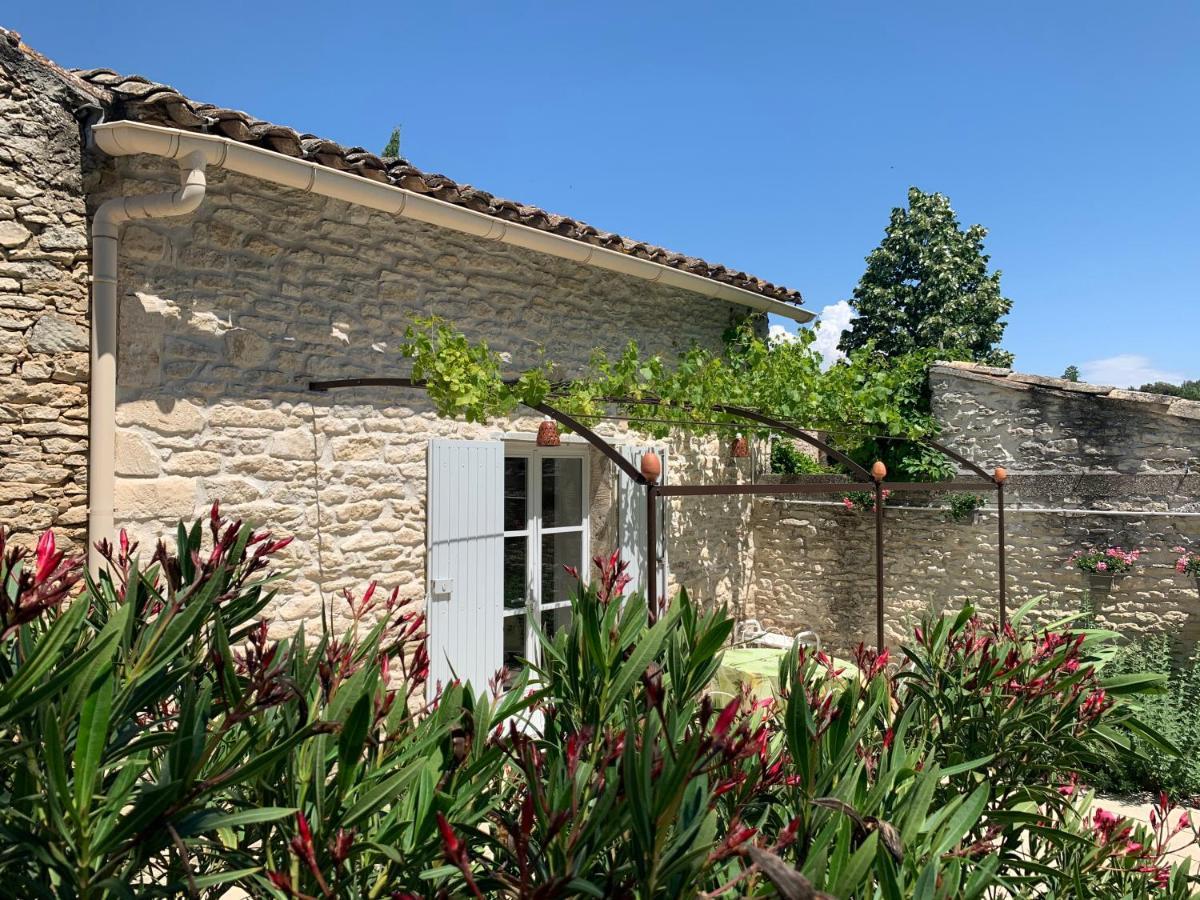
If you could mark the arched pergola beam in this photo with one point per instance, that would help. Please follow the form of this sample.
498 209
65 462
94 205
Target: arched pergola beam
545 409
752 416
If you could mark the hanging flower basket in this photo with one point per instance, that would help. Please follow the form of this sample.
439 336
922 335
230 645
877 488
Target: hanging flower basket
547 433
1188 563
1102 565
1100 583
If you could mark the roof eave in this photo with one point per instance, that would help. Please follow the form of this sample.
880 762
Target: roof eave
126 138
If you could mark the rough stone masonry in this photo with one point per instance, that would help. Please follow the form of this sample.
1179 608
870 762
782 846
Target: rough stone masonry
1088 465
43 301
227 314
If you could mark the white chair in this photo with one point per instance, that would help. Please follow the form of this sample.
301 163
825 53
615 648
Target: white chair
750 631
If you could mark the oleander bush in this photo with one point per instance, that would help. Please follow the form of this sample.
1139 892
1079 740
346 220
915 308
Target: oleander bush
159 742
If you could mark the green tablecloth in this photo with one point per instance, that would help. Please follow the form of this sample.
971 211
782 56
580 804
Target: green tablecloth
759 668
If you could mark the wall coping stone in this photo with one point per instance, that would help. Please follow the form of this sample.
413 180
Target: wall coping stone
1021 381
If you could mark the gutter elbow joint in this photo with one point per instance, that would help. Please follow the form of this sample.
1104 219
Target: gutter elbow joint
102 409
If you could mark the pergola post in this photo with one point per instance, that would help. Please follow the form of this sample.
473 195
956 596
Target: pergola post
651 551
1000 477
878 473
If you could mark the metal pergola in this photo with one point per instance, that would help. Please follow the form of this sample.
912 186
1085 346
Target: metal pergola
873 479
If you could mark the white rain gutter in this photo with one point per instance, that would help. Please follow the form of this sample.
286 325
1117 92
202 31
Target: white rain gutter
130 138
194 152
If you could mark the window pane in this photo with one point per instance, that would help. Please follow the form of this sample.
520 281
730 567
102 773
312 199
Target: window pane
554 619
516 573
559 550
516 489
562 492
514 642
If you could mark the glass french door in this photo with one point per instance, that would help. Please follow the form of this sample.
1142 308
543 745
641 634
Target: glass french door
545 530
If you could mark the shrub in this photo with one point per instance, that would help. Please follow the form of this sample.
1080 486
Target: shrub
962 505
864 500
1188 562
788 459
160 741
1175 714
1022 707
931 780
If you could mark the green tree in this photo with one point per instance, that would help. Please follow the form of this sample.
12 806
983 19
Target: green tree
1071 373
1188 390
392 150
927 286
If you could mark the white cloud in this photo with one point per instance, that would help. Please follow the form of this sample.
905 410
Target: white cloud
832 321
777 334
1126 370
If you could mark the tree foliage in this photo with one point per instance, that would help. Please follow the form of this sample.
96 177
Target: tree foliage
1188 390
392 149
1071 373
927 286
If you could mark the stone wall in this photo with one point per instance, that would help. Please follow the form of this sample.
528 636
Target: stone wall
228 313
1088 465
43 302
1037 424
814 568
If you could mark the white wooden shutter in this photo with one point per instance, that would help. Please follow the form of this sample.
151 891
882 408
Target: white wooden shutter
632 520
465 533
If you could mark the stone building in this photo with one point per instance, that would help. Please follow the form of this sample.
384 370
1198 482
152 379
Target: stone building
181 378
232 262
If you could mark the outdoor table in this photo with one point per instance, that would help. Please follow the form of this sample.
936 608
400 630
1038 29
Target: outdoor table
759 668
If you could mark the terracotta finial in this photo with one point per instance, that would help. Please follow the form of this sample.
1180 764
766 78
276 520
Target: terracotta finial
651 466
1001 475
879 470
547 434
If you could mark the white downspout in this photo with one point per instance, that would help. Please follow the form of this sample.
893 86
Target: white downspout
102 403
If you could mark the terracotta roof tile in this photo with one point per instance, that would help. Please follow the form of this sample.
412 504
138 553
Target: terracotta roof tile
140 99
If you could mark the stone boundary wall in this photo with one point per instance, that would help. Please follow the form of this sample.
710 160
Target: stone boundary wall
1032 423
1128 462
43 303
814 568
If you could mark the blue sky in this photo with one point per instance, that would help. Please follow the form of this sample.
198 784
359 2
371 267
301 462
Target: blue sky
774 137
